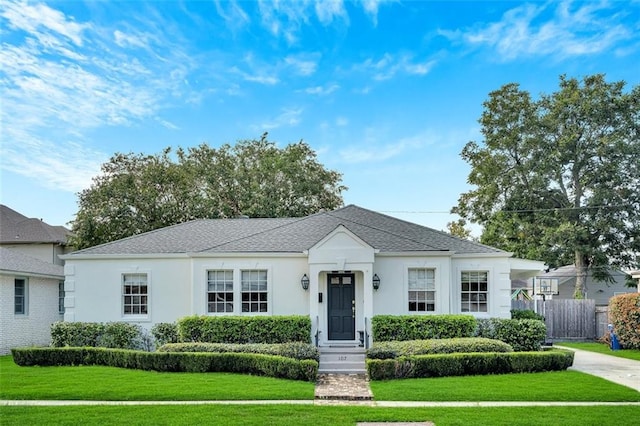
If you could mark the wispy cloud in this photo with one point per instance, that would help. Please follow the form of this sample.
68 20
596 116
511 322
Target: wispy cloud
303 64
388 66
61 79
322 90
289 117
572 29
374 151
371 8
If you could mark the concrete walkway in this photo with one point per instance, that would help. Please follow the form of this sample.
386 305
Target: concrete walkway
622 371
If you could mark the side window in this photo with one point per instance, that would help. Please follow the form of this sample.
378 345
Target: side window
135 294
61 297
20 296
474 291
220 291
422 290
254 291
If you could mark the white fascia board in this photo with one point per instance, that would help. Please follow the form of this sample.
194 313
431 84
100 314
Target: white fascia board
504 255
30 274
415 253
244 254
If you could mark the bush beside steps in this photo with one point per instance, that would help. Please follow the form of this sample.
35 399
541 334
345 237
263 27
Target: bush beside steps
190 362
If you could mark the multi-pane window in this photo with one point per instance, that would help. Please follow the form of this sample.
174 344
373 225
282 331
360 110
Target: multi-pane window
20 296
61 297
254 291
220 291
135 294
422 290
474 292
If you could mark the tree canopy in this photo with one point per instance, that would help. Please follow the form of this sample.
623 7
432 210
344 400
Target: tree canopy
558 178
137 193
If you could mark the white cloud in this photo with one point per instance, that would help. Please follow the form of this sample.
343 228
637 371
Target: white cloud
573 29
289 117
302 64
327 10
322 90
371 8
233 14
268 80
376 152
390 65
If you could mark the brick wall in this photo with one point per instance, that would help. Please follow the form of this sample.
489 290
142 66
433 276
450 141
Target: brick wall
32 329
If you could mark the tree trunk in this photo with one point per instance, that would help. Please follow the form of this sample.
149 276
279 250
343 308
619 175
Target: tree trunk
581 276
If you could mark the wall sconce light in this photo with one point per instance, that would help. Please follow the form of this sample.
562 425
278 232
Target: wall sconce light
305 282
376 282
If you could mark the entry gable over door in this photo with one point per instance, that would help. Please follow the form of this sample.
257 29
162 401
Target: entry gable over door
340 246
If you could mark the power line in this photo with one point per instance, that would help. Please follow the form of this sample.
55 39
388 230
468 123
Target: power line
610 206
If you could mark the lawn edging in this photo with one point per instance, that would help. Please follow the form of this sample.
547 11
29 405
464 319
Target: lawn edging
194 362
463 364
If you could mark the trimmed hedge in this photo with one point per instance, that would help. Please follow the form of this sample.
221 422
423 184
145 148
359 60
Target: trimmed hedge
388 350
165 332
463 364
245 329
195 362
523 335
624 313
295 350
120 335
421 327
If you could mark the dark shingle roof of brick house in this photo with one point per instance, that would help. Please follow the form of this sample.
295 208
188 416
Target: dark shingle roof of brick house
16 228
14 261
288 235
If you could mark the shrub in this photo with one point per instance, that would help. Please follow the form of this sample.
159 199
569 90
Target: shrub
460 364
295 350
165 332
421 327
525 314
194 362
110 335
236 329
387 350
624 314
522 335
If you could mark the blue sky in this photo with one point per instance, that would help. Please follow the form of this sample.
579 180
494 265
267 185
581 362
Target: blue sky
386 92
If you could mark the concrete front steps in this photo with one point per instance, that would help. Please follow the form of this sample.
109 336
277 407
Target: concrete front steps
342 360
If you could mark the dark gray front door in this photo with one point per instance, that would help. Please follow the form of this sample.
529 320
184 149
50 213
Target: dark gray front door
342 310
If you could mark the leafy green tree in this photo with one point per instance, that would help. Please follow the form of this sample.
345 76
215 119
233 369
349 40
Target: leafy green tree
458 229
137 193
558 178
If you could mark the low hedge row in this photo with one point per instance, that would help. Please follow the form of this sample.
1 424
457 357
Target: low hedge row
389 350
461 364
523 335
258 364
245 329
295 350
421 327
120 335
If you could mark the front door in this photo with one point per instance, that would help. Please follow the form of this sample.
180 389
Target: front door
342 306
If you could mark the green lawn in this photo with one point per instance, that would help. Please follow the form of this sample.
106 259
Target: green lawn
316 415
109 383
551 386
603 349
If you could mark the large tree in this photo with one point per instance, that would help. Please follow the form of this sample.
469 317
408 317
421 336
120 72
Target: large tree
558 178
137 193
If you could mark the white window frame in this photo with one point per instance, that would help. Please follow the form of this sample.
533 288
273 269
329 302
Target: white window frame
124 283
217 291
24 297
254 284
421 287
476 296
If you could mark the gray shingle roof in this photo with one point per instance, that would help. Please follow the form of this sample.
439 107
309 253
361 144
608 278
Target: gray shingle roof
16 228
288 235
18 262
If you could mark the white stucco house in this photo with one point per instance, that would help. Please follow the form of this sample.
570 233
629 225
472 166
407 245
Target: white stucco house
340 267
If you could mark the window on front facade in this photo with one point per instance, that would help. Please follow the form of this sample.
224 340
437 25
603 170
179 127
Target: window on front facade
220 291
422 290
254 291
61 297
474 295
135 294
20 296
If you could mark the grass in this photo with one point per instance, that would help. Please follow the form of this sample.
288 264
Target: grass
633 354
317 415
109 383
550 386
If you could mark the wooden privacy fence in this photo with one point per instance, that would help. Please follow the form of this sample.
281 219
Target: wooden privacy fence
569 319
